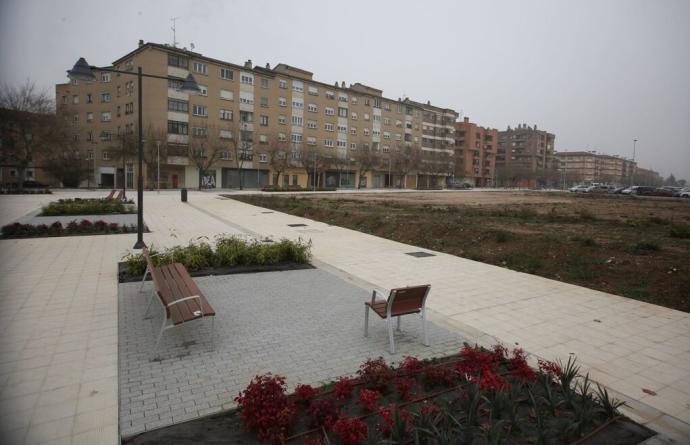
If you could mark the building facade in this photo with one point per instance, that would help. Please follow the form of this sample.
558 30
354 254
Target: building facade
475 153
525 157
583 167
251 126
645 176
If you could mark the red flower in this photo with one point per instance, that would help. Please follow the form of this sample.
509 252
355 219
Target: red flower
351 431
521 369
376 374
322 413
305 393
550 368
265 408
411 364
404 386
368 398
343 388
387 420
429 409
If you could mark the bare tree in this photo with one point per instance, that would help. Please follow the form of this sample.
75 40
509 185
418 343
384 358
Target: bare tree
63 159
240 143
155 148
314 161
279 155
124 149
342 164
366 160
205 148
405 159
23 130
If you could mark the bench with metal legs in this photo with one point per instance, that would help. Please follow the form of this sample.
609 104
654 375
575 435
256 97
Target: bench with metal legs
397 303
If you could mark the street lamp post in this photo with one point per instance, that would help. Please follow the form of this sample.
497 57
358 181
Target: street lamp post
83 71
632 173
158 160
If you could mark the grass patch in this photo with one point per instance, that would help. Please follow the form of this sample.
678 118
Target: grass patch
680 231
644 248
502 236
586 215
523 262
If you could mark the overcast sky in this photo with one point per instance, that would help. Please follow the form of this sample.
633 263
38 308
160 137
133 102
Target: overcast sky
596 73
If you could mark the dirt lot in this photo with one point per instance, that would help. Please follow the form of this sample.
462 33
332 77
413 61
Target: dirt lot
635 247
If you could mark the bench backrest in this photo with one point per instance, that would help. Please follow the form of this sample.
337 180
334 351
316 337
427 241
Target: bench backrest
407 299
110 195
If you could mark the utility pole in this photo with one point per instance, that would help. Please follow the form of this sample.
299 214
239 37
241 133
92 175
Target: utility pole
632 174
158 156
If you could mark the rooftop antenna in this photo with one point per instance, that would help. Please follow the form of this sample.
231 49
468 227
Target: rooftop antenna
174 30
191 45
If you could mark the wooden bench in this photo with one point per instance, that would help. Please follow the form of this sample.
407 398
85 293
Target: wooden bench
181 298
396 303
120 196
110 195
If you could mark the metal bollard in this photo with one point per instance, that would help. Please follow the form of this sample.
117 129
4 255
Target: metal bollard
183 195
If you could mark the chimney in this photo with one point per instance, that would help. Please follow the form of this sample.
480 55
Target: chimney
342 84
141 43
248 63
268 66
535 126
466 119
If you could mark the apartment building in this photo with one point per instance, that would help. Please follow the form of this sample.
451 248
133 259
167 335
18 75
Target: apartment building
475 153
525 157
577 167
321 130
645 176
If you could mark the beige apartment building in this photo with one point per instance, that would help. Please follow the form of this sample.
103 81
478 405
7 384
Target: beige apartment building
582 167
268 126
525 157
475 153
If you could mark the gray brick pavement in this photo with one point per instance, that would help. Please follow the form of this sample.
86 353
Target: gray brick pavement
305 324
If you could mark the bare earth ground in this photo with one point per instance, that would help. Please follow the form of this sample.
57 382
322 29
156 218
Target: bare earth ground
630 246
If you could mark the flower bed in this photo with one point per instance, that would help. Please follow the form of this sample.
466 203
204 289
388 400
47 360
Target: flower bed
296 188
478 396
229 254
78 206
84 227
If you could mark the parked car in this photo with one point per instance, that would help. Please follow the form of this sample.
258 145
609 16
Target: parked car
34 185
578 188
599 188
459 185
617 190
661 191
685 193
680 190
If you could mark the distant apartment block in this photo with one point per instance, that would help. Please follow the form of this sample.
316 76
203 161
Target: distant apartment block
257 108
475 153
578 167
645 176
525 157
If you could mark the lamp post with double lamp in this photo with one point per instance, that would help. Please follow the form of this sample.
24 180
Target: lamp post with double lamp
83 71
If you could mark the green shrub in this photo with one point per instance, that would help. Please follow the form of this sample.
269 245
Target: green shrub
586 215
79 206
502 236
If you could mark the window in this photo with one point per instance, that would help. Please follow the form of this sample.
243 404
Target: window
105 77
342 129
386 121
353 100
328 127
176 127
312 107
75 99
263 120
342 112
105 136
341 143
264 83
246 116
89 116
263 157
353 130
200 68
172 83
90 155
282 102
106 154
311 124
282 83
297 121
64 100
203 90
313 91
311 141
246 97
297 138
247 79
367 102
353 115
129 108
227 74
181 106
353 146
330 94
118 111
366 116
386 135
199 110
377 118
399 109
199 132
226 155
282 137
178 61
225 134
377 102
397 136
263 139
282 120
398 124
105 116
328 142
226 115
264 102
89 97
342 97
386 148
105 97
297 86
366 132
226 95
330 111
387 106
376 133
297 103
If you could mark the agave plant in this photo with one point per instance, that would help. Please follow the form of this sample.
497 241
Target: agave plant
608 404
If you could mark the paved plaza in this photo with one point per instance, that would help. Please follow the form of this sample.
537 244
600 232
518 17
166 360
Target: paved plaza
59 320
306 325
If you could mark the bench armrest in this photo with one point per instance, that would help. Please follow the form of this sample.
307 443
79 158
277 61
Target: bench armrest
378 292
193 297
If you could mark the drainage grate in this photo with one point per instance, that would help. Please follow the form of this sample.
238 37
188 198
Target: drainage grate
297 225
420 254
